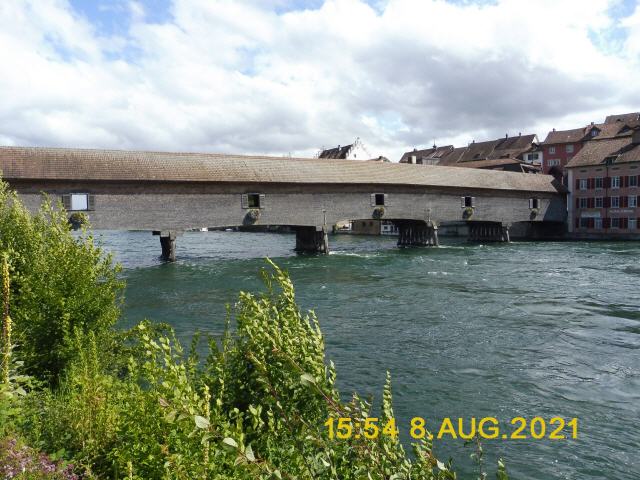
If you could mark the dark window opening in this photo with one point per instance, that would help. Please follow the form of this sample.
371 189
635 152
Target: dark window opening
379 199
253 200
468 202
534 203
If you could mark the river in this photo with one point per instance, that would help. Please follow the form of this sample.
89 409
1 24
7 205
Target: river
523 329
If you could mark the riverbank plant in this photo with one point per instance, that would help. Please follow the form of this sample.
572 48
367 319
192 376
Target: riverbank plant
60 282
137 405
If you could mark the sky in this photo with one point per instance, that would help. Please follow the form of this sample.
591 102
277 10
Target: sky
289 77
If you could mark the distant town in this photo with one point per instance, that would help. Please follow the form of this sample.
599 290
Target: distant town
598 164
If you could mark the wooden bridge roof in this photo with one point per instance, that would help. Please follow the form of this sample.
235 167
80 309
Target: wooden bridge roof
37 163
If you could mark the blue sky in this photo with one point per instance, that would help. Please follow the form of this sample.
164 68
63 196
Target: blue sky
229 75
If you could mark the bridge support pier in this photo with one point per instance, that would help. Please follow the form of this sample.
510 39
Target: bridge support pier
312 240
488 232
418 234
168 245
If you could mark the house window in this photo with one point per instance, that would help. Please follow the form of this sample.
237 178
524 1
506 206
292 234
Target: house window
552 149
615 202
615 182
253 200
633 181
569 148
615 223
584 223
534 203
599 202
599 183
583 184
597 223
632 201
633 223
554 162
584 203
594 132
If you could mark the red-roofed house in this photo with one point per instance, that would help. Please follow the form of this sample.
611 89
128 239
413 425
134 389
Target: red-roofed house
604 183
561 146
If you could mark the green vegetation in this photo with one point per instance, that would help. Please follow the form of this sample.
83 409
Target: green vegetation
78 397
58 284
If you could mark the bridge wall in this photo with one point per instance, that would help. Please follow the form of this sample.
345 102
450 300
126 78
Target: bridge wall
191 205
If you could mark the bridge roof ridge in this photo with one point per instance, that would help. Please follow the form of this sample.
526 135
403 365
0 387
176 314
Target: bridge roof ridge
122 165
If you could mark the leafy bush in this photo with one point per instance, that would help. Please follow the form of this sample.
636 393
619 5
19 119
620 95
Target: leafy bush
59 282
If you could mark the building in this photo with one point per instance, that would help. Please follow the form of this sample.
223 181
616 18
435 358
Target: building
560 146
355 151
428 156
515 154
604 178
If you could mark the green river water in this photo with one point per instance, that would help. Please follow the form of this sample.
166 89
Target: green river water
524 329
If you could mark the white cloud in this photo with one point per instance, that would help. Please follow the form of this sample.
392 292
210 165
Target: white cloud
236 77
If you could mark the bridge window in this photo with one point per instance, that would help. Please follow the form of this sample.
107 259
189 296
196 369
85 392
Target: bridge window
467 202
378 199
78 202
534 203
253 200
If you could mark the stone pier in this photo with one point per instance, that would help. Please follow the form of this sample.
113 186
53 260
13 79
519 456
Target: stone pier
168 244
417 233
488 232
312 240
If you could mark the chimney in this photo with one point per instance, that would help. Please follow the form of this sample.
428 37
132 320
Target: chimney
506 135
554 129
519 134
592 124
